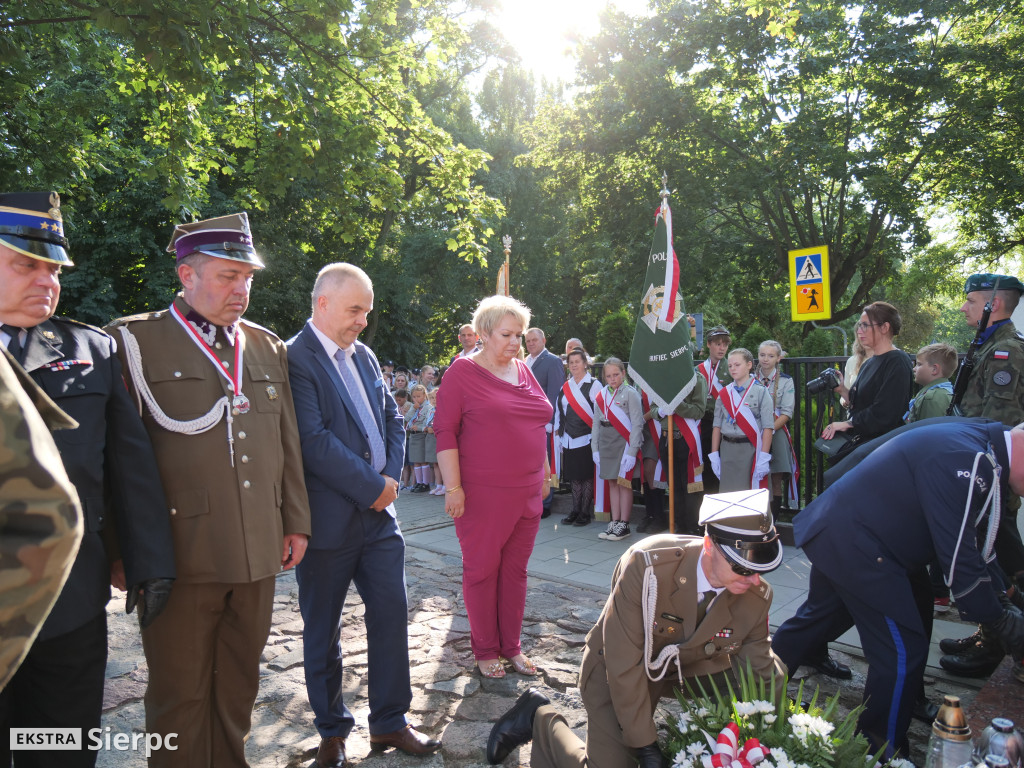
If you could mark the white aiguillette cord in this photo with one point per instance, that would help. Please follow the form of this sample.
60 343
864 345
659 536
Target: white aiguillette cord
196 426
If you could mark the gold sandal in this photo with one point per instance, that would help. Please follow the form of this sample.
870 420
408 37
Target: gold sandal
493 670
524 666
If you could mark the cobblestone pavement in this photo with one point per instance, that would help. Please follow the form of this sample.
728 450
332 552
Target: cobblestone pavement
450 699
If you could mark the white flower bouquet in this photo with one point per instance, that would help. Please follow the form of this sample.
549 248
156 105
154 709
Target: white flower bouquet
730 729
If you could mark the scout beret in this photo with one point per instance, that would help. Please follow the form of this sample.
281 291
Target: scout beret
718 330
31 224
986 282
224 237
741 524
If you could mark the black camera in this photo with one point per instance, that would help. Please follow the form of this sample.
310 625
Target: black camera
827 380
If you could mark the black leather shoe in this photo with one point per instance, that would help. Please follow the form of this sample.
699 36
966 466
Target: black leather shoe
832 668
515 727
980 660
331 753
925 711
546 512
569 519
955 645
582 520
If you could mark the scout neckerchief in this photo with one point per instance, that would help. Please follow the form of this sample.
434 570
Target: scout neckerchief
618 418
741 414
239 403
710 372
793 487
654 428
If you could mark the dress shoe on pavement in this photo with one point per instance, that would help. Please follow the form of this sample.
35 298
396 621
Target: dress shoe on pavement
925 711
515 727
832 668
571 518
959 644
331 753
409 740
980 660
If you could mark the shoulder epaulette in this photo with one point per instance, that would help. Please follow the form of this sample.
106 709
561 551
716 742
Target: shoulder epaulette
784 375
138 318
258 327
77 323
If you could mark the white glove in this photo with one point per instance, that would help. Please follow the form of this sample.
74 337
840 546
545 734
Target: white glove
626 464
761 468
548 427
597 461
662 412
716 463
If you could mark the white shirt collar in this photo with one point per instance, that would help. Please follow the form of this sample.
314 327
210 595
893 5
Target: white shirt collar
703 585
329 345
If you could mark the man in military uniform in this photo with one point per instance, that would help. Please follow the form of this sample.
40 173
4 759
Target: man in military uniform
109 459
914 499
40 518
709 617
995 390
214 395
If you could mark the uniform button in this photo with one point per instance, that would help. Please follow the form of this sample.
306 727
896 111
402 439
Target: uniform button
218 345
880 559
224 363
174 511
246 484
241 435
81 386
266 376
177 374
235 411
245 459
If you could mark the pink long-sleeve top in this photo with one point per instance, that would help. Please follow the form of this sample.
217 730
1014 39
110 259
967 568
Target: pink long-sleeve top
497 427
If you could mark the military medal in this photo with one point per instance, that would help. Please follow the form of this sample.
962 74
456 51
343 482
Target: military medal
239 403
709 649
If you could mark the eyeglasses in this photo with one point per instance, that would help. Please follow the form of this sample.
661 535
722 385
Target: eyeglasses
739 570
863 325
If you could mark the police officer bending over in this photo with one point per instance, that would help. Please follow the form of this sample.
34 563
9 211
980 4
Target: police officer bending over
933 492
710 616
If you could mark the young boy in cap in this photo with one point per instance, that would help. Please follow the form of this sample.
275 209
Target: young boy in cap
680 607
716 374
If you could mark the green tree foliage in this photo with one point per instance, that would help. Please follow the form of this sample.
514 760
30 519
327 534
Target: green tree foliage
615 334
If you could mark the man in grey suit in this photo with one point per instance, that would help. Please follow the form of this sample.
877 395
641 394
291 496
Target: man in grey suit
352 452
550 373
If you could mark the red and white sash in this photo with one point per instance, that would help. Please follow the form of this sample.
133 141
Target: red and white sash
740 412
690 430
619 419
709 373
576 400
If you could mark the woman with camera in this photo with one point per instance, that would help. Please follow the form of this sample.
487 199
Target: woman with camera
879 397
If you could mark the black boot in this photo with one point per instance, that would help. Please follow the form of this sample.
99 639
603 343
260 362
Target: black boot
980 660
571 518
776 507
582 519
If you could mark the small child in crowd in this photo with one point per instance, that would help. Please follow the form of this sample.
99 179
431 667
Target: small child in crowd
416 422
932 368
404 406
741 439
431 453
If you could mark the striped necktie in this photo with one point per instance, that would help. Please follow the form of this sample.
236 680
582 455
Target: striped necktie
373 437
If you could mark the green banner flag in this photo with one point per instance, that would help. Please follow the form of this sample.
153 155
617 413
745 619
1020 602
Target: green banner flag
661 358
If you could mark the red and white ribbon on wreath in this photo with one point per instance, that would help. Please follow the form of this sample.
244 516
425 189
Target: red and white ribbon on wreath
729 754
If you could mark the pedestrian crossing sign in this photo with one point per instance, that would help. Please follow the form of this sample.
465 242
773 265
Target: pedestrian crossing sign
809 295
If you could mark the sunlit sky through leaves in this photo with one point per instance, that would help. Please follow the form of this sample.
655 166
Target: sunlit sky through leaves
543 31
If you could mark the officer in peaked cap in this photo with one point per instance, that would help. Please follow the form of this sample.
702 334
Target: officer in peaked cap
108 459
216 400
995 390
680 607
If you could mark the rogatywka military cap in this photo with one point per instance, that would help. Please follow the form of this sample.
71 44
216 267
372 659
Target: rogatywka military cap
224 237
718 330
741 524
986 282
31 224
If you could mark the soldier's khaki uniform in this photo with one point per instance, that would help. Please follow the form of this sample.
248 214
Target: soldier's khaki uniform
619 696
228 524
996 389
40 517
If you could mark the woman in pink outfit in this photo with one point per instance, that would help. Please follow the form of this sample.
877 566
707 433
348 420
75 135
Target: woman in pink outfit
490 428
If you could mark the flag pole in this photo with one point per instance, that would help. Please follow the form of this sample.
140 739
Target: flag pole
670 426
503 287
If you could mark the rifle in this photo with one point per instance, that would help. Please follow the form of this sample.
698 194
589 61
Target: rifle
967 366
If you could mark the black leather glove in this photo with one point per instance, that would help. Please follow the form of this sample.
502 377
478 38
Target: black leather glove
651 757
155 593
1008 629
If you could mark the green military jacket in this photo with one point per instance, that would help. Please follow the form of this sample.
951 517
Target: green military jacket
930 402
995 389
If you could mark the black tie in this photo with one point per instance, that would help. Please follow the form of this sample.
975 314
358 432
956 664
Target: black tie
703 603
14 345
